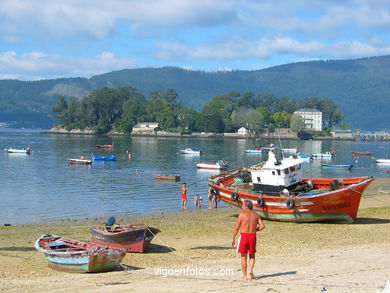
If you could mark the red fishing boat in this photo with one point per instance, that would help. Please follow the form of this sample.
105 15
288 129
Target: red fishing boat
104 146
356 154
278 192
167 177
132 238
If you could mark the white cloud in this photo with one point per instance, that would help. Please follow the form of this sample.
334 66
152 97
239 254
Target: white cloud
35 65
269 46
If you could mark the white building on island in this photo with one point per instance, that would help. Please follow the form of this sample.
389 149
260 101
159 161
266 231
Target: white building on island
145 127
312 118
243 131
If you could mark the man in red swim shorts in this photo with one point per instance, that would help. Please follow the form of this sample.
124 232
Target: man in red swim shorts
183 195
248 223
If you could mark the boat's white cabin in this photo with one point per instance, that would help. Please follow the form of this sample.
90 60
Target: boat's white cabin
285 173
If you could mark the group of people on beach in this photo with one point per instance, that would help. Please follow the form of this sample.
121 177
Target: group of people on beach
198 200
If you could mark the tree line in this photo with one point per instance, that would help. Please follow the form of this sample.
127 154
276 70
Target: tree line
120 109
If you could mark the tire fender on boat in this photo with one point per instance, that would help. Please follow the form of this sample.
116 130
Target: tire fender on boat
214 191
290 203
235 196
260 201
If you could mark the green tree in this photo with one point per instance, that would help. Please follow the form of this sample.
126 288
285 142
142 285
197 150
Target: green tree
61 108
297 123
255 121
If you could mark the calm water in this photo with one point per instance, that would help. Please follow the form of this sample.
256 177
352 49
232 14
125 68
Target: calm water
43 187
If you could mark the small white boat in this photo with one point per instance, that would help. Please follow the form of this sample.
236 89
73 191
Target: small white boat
79 162
256 151
19 151
214 166
290 151
384 161
325 155
191 151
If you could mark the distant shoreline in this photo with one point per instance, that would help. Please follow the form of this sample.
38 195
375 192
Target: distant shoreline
62 131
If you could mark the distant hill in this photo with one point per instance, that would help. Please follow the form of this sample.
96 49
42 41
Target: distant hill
360 87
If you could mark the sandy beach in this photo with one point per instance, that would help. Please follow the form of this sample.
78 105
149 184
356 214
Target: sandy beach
193 254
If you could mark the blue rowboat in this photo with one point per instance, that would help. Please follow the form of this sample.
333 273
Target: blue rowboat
103 158
341 167
69 255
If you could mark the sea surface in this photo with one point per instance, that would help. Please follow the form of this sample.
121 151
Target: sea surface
42 186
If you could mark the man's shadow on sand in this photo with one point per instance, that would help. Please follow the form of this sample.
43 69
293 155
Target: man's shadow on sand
275 275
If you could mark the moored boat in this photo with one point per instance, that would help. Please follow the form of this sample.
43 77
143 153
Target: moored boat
190 151
219 165
383 161
132 238
304 157
356 154
279 192
167 177
104 146
19 151
340 167
79 162
324 155
103 158
69 255
255 151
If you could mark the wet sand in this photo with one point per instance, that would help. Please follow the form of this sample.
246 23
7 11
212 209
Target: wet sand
291 257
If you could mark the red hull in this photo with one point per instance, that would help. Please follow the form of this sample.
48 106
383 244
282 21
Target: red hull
131 238
361 154
167 177
104 146
340 205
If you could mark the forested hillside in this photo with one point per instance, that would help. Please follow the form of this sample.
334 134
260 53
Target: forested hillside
359 87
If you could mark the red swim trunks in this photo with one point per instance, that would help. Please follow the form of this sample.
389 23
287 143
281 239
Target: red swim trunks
247 243
184 196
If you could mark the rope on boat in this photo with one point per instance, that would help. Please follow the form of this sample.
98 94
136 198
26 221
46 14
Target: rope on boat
380 189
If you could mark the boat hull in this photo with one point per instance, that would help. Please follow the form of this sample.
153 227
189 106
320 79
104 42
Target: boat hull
130 238
167 177
340 205
69 255
79 162
103 158
339 167
210 166
383 161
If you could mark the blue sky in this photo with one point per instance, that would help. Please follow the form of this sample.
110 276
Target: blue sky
41 39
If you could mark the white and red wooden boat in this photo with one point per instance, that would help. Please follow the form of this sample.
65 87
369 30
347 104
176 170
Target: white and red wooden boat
279 192
132 238
219 165
104 146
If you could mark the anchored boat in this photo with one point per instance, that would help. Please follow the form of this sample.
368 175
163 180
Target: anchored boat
219 165
279 192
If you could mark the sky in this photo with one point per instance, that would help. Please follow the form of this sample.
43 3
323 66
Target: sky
45 39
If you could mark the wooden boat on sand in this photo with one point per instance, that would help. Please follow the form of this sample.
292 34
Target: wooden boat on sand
278 192
167 177
69 255
131 238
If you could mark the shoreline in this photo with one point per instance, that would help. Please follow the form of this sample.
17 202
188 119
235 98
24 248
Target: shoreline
164 134
292 257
